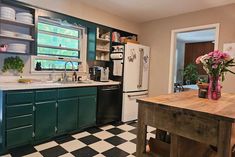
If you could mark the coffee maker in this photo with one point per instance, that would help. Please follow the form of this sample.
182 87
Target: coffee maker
99 74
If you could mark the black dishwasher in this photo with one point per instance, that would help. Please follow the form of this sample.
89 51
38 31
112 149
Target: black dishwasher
109 107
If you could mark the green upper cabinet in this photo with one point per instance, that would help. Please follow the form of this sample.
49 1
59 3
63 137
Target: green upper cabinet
45 120
67 115
87 111
91 43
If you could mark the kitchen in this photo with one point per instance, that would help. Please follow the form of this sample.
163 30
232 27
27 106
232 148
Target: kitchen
98 57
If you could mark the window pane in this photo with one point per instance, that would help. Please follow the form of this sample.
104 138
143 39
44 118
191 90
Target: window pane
55 64
50 40
59 30
58 52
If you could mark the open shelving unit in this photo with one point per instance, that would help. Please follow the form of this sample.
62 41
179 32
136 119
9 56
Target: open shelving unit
19 27
103 44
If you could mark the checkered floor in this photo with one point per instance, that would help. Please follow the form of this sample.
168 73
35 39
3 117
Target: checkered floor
106 141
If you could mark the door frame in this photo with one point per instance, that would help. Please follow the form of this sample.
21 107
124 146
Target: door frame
174 33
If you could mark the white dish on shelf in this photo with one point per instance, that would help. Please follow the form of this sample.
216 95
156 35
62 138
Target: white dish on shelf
25 21
25 14
7 17
7 33
7 9
21 35
17 47
15 51
7 12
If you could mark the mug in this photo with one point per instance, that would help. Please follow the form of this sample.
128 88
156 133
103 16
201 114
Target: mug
3 47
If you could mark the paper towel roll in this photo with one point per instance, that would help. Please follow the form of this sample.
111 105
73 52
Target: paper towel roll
116 56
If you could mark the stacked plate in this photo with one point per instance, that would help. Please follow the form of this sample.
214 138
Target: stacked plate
19 48
21 35
7 33
24 17
7 13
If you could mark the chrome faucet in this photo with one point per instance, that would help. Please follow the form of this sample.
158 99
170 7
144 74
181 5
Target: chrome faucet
65 77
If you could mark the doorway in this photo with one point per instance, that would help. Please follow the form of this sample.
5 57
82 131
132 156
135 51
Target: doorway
186 45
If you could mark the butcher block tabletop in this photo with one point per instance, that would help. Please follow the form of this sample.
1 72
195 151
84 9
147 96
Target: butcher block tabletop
222 109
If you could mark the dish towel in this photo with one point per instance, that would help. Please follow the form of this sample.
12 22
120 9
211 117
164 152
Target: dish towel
117 67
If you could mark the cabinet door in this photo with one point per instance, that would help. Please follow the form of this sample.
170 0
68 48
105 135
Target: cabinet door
91 44
67 114
45 119
87 111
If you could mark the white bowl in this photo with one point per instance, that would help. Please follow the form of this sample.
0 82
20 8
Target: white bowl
25 21
24 18
24 14
7 9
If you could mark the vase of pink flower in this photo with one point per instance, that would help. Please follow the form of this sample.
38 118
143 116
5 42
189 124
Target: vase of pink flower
216 64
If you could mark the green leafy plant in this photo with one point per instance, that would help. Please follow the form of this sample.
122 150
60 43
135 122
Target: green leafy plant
13 63
190 73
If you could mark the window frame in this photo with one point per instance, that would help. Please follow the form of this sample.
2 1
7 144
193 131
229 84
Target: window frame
82 53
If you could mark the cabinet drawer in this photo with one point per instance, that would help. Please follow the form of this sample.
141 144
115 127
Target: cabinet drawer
75 92
19 121
19 136
22 97
19 110
67 93
46 95
87 91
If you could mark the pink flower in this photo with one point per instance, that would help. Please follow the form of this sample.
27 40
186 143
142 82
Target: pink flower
198 60
226 56
214 66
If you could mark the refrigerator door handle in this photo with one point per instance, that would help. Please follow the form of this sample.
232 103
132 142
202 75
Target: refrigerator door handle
137 95
141 50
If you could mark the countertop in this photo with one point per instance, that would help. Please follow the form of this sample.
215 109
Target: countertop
224 108
6 86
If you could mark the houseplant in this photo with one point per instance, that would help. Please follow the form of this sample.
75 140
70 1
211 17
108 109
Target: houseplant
216 64
14 64
190 74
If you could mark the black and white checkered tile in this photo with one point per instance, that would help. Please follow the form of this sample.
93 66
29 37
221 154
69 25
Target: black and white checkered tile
106 141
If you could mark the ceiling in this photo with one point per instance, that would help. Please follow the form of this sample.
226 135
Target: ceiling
197 36
147 10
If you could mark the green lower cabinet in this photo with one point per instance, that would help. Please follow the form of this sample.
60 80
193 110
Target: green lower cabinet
45 120
19 136
67 115
87 111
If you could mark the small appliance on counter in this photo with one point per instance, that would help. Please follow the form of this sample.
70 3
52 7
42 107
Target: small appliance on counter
99 74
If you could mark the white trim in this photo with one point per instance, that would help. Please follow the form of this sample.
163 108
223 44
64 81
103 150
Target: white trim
173 47
82 60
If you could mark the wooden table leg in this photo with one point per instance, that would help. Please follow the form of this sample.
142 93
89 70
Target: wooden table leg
224 141
174 149
141 133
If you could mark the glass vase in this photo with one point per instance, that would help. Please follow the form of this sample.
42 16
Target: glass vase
214 90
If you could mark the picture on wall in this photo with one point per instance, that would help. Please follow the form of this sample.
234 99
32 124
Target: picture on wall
229 48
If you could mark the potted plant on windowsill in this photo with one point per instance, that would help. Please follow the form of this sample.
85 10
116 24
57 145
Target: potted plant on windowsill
190 74
14 65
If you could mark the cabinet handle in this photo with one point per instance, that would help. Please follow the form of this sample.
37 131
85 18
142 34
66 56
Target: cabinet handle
56 105
33 134
56 129
34 108
141 68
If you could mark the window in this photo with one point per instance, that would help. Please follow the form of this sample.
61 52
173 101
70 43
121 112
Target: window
57 43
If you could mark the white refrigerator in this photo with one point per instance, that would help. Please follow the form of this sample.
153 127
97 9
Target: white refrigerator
135 79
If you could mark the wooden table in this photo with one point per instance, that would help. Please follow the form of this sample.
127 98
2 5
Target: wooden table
185 115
